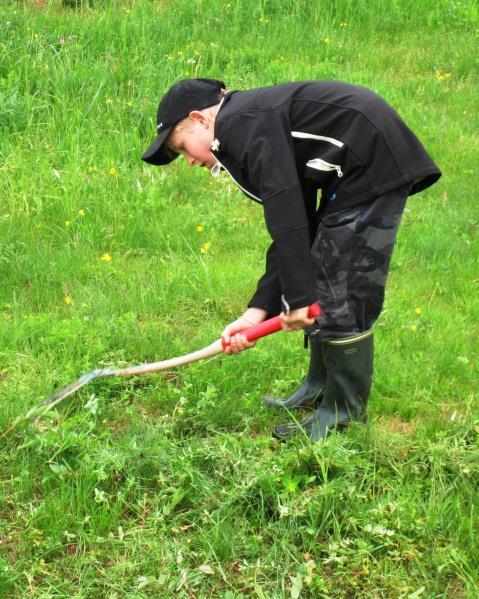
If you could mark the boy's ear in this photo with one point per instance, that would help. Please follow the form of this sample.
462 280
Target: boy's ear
198 117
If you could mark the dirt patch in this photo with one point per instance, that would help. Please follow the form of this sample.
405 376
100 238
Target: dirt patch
394 436
456 588
394 424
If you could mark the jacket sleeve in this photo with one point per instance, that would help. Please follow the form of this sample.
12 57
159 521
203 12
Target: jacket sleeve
261 142
268 291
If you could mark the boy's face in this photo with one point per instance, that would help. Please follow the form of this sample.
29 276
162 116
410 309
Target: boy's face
193 141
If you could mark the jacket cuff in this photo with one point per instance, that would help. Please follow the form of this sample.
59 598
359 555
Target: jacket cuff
267 299
305 302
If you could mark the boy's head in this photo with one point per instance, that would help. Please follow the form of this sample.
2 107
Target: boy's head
182 123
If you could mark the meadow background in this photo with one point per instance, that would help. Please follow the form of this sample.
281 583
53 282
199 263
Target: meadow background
170 485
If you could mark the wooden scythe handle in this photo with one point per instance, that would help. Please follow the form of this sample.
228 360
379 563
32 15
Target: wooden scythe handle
201 354
257 331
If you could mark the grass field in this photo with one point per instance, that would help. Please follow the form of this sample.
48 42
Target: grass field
170 485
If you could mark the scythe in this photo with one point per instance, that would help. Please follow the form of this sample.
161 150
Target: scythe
253 333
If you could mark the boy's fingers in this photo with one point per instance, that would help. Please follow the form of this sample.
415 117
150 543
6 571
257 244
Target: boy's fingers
230 330
239 343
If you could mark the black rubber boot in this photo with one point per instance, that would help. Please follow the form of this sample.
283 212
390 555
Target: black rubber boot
349 366
312 388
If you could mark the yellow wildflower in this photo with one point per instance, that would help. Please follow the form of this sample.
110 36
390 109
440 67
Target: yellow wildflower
129 103
414 328
81 213
67 223
200 229
327 40
112 171
205 247
67 299
418 311
105 257
343 25
440 76
109 101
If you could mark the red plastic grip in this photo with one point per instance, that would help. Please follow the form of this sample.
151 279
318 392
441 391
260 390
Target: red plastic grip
267 327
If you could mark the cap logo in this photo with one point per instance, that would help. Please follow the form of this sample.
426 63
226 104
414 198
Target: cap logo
159 126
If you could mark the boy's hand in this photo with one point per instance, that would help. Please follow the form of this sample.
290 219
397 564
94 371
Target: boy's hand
237 341
296 319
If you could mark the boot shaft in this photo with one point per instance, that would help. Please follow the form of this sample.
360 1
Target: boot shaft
349 364
317 368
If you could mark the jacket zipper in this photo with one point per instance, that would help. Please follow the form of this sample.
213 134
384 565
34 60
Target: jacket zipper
321 165
216 171
240 186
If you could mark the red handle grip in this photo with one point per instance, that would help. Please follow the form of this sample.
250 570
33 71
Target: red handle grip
269 326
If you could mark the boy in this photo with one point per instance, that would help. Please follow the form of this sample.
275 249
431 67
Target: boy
281 144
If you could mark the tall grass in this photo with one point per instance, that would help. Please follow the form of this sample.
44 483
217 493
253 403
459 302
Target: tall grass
171 485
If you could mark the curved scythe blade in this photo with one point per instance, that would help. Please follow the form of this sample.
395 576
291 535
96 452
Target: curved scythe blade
51 402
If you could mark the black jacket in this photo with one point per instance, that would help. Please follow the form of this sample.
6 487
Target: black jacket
282 143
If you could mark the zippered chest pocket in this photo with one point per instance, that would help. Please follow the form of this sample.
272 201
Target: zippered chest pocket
326 165
328 155
322 165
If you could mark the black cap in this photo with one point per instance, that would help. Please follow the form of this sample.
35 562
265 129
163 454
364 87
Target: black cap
176 104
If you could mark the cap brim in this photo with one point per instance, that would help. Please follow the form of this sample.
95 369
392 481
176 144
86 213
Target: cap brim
157 153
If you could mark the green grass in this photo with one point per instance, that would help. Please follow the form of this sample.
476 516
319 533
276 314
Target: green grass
170 485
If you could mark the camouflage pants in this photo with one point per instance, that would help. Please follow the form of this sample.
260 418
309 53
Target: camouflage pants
351 255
